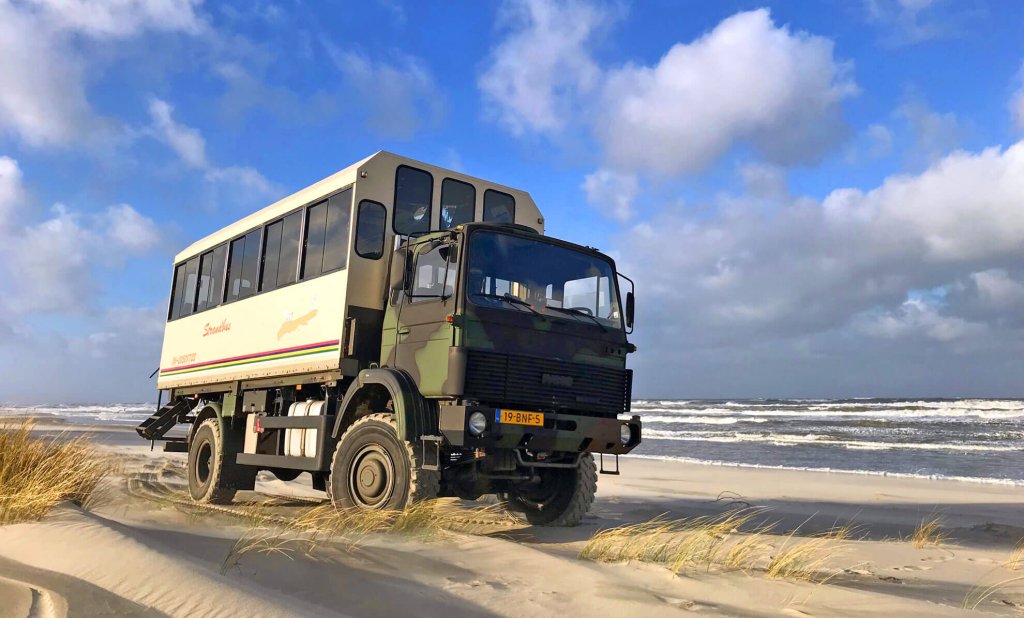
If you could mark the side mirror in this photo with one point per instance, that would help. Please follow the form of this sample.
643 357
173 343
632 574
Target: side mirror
630 307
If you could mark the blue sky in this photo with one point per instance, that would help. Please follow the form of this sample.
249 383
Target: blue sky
815 198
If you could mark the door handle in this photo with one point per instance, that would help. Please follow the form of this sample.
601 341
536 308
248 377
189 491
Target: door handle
403 331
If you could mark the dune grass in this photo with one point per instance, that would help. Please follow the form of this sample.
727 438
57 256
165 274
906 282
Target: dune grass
325 525
1016 560
929 534
37 473
730 541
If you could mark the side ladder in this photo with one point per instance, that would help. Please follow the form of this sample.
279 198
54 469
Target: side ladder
157 425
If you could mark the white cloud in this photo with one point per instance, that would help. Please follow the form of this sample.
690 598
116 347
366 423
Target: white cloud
11 189
745 81
935 134
916 317
802 267
762 180
881 141
399 97
127 228
612 193
46 68
998 289
535 74
189 145
185 141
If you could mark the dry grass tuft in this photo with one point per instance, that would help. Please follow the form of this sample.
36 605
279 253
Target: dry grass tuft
38 473
979 595
929 534
717 542
325 525
1016 560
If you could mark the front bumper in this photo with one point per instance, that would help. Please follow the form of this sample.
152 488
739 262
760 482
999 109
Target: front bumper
569 433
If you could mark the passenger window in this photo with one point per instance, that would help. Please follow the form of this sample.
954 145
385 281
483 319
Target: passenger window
458 201
499 207
316 227
339 216
434 275
280 252
242 266
413 193
211 272
370 230
177 286
188 296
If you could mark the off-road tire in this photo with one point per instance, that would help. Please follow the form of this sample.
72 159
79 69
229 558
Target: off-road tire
575 489
373 439
212 477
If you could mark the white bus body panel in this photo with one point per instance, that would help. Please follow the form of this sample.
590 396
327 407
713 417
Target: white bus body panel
299 328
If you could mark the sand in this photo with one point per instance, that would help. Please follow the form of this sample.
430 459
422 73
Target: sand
140 550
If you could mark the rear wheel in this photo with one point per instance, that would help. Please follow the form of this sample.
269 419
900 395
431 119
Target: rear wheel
373 468
561 498
212 476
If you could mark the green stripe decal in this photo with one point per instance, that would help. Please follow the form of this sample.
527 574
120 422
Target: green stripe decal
320 350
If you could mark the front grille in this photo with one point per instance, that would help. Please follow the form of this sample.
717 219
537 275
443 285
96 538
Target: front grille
543 383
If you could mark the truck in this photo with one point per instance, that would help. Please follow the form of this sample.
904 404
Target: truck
401 332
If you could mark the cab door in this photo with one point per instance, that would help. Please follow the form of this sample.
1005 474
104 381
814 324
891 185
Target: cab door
423 333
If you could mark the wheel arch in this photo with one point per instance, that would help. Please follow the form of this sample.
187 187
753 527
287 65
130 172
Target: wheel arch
207 410
415 416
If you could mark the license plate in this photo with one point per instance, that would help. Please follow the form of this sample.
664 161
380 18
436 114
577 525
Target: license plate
518 417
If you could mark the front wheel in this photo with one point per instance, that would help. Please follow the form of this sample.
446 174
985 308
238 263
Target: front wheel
373 468
561 498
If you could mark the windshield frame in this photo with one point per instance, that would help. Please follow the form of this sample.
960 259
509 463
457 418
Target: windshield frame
561 315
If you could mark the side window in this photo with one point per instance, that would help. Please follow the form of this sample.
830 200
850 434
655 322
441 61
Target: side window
211 276
370 230
280 252
499 207
242 266
316 228
176 289
339 219
433 275
188 295
413 192
458 201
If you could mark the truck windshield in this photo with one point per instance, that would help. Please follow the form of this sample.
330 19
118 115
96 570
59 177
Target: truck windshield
523 274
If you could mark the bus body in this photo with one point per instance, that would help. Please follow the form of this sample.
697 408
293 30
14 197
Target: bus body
401 332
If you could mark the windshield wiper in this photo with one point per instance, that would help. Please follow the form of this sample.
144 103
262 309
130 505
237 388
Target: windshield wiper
578 312
510 299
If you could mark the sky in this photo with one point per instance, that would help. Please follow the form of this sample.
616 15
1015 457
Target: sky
815 199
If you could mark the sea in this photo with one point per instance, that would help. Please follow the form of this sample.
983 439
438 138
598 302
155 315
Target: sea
974 440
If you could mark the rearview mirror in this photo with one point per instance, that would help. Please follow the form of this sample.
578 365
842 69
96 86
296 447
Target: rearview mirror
630 302
398 268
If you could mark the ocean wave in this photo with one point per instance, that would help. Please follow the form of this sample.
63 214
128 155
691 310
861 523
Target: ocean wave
700 420
965 414
934 477
781 439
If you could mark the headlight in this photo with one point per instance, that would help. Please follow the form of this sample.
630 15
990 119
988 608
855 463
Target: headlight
477 423
625 434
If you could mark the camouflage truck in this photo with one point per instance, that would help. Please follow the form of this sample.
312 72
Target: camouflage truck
398 343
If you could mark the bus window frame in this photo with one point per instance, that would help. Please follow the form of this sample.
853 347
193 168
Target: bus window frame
430 203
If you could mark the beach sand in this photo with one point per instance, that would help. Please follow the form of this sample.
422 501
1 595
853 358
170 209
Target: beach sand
141 550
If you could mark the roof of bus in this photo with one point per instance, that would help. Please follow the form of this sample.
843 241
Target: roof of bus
311 193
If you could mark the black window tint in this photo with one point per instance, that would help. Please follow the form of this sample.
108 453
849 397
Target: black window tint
188 295
339 215
271 255
178 286
458 200
316 228
205 280
499 207
413 192
216 295
290 237
370 230
242 266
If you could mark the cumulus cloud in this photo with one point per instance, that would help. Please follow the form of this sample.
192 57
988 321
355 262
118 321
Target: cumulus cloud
399 96
612 193
543 64
190 146
43 86
905 22
745 81
831 271
935 134
11 189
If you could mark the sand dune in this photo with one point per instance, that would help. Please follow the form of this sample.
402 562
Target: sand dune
142 551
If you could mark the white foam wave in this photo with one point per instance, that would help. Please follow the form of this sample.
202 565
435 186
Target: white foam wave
700 420
933 477
781 439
